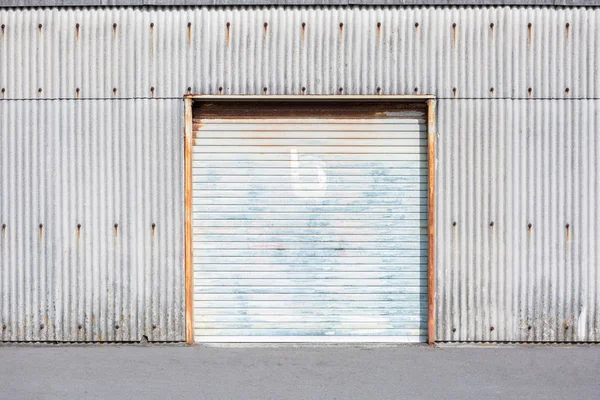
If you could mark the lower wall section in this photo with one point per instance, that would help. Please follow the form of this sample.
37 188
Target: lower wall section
91 215
91 209
517 220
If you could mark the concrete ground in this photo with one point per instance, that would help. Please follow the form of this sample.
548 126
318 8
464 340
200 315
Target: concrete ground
292 372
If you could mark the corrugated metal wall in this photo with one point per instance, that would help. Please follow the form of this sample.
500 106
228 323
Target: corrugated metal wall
477 61
91 207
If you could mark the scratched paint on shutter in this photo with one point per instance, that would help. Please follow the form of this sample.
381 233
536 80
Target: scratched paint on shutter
310 229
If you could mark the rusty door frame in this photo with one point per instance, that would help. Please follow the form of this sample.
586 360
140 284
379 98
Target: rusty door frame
188 144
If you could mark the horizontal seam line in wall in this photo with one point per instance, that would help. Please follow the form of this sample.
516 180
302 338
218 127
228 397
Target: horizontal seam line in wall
225 97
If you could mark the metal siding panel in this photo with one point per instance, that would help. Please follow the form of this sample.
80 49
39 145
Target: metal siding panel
535 163
376 286
210 58
70 171
434 59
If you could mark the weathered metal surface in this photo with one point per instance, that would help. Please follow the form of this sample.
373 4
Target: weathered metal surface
138 3
540 62
517 221
91 208
310 228
465 52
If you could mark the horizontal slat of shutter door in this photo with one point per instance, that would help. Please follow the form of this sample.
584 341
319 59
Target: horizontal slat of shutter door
310 230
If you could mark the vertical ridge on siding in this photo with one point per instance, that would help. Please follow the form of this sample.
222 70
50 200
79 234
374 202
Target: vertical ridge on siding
72 162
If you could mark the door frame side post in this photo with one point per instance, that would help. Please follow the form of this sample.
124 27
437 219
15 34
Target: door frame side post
431 133
189 271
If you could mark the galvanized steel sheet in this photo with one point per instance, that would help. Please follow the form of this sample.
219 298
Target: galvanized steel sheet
517 91
91 208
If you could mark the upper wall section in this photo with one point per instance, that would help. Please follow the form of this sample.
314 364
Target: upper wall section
502 52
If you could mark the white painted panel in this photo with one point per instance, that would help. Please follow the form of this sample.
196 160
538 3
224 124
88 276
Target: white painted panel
310 230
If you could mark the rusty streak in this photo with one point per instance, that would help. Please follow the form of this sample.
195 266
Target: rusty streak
228 37
431 222
189 268
303 30
77 31
189 33
41 232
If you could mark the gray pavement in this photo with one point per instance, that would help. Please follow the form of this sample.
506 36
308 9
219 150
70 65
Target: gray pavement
298 372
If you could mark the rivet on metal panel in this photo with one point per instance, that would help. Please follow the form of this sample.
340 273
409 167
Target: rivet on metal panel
491 328
454 91
152 91
77 30
454 223
529 328
41 231
453 330
341 90
40 27
220 89
114 91
41 326
189 32
77 92
378 89
566 325
79 327
153 228
567 90
115 30
153 327
529 92
416 25
265 90
189 89
303 89
151 25
117 326
416 90
529 26
378 30
3 92
454 34
567 26
529 225
491 91
492 223
492 25
116 229
40 90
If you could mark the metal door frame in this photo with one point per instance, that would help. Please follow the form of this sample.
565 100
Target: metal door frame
188 136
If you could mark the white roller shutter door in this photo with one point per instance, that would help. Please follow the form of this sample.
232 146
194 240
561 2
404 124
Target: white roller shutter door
310 229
